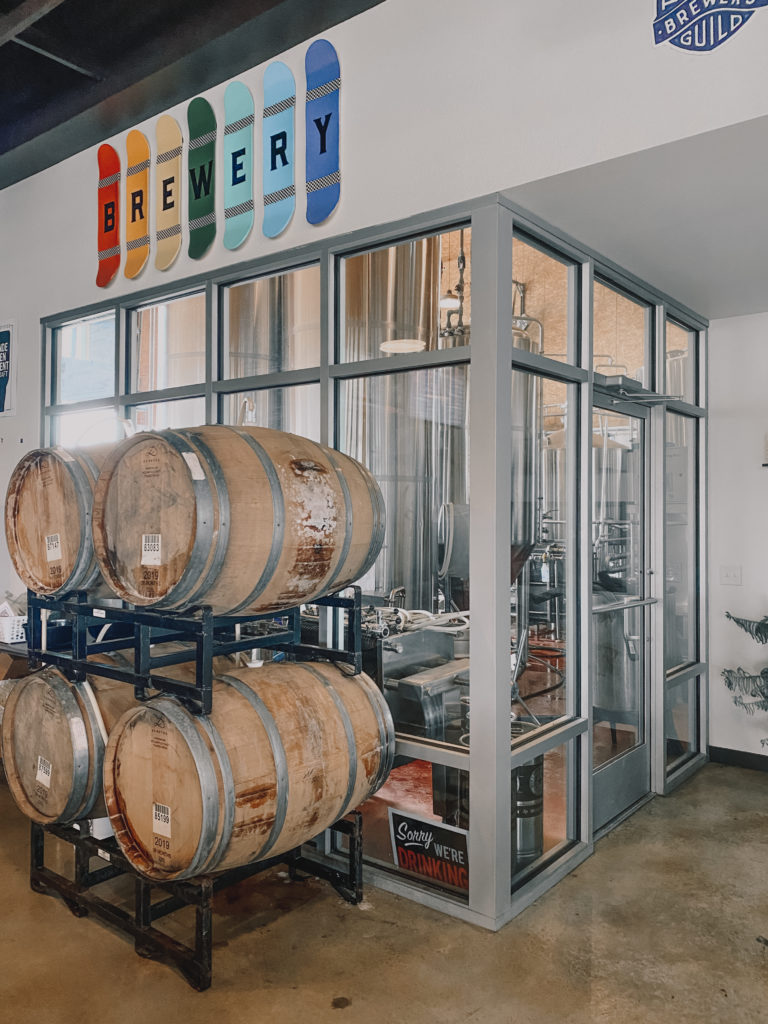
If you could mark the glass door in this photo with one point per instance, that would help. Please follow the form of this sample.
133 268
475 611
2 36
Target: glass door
620 611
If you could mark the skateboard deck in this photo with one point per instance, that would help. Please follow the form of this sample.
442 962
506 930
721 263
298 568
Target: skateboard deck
167 192
136 203
202 177
278 149
108 215
238 164
322 126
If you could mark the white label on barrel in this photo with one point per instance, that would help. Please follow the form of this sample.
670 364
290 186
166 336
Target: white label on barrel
53 547
161 820
150 549
194 465
43 772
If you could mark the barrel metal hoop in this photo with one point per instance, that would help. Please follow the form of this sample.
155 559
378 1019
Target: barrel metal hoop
222 536
278 753
228 786
184 722
386 730
278 513
84 492
206 540
80 753
348 730
350 520
99 734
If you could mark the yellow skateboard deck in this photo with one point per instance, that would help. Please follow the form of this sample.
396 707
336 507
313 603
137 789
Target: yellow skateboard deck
167 192
136 203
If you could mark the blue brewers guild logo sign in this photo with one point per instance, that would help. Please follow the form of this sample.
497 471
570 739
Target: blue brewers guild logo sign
701 25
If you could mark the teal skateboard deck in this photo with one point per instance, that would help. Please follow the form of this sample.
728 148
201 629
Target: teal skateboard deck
322 126
201 163
279 143
238 164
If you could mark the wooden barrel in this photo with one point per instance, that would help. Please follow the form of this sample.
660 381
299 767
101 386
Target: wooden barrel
53 738
287 750
12 668
244 519
48 519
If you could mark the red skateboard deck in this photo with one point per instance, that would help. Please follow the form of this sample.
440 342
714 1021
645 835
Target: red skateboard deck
108 215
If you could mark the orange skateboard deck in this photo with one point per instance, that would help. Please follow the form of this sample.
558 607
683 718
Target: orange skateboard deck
167 192
136 203
108 215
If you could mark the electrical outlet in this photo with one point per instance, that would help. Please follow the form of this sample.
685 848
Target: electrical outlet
730 575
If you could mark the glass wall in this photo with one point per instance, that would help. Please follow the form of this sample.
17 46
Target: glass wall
168 344
272 324
381 366
620 334
84 359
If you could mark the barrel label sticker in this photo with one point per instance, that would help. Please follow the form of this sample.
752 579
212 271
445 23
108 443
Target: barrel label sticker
194 465
150 549
53 547
43 772
161 820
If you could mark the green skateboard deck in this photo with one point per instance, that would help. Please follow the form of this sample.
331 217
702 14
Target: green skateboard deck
202 177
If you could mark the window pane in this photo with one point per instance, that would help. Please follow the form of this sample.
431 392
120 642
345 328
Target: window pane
620 335
681 605
188 412
540 473
541 791
413 818
168 347
295 409
681 721
681 362
273 324
84 360
411 430
80 429
617 679
408 298
539 301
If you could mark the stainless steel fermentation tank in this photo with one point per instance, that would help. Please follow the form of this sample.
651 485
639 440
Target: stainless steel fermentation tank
412 429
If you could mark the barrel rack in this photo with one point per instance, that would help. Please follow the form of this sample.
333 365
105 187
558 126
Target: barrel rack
209 636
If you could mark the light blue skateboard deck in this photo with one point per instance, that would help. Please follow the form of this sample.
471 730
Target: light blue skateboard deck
278 161
201 163
238 164
323 175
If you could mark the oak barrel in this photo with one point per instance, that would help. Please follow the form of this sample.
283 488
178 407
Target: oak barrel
48 519
53 738
244 519
53 733
287 750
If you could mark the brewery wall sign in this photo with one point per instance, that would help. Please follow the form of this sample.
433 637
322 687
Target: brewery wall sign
430 849
217 156
701 25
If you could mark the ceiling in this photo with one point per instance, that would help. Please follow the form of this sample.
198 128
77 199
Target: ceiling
74 72
690 217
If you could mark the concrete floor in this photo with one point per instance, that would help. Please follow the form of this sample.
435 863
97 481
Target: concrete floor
659 925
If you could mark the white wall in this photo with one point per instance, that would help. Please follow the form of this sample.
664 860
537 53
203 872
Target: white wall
738 500
442 101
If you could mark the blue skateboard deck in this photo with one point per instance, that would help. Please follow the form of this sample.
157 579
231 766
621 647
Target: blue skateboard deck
278 160
238 164
201 163
323 175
